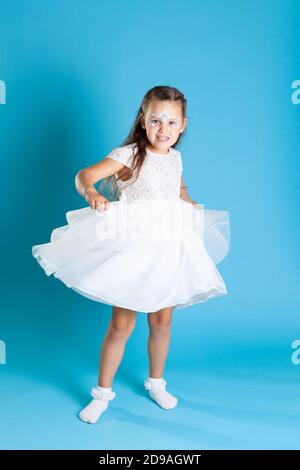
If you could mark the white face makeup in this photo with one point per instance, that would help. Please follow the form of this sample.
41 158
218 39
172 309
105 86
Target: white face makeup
164 116
163 123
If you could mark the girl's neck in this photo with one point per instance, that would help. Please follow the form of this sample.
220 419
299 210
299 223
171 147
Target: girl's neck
154 150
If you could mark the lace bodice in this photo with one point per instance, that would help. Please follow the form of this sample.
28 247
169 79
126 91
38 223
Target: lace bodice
160 175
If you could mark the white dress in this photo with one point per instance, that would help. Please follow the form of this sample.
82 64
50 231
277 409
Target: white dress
148 250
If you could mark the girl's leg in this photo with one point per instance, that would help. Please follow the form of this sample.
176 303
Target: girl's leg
121 326
158 347
159 340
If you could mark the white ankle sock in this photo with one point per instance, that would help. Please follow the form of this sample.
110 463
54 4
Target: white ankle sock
101 396
157 391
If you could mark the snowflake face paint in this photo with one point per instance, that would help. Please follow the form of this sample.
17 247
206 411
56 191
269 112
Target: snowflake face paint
163 123
164 116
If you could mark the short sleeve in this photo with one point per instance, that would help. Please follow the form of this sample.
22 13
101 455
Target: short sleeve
123 154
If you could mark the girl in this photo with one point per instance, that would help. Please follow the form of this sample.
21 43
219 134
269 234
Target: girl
152 250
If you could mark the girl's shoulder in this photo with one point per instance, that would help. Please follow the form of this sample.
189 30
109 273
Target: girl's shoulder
176 155
176 151
123 154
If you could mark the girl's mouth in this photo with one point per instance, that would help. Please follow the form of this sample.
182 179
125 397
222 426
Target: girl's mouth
162 138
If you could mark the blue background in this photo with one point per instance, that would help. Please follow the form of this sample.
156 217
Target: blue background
75 74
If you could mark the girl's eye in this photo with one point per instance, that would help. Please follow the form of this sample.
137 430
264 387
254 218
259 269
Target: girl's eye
156 121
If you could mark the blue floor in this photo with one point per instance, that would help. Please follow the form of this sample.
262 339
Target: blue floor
237 389
216 410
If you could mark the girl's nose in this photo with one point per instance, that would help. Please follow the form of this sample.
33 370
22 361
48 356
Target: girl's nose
163 126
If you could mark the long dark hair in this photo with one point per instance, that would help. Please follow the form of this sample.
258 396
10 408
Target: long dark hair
138 134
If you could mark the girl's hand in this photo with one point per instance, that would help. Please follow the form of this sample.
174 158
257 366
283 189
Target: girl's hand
190 201
96 200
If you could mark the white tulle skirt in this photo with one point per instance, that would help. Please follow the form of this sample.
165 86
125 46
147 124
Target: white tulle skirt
142 255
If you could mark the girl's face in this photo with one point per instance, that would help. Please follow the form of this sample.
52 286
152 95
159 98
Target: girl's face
163 123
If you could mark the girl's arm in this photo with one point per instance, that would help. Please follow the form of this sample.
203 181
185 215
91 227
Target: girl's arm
87 177
184 194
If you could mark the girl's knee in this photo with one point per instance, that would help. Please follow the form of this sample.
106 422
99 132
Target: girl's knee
160 322
121 328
